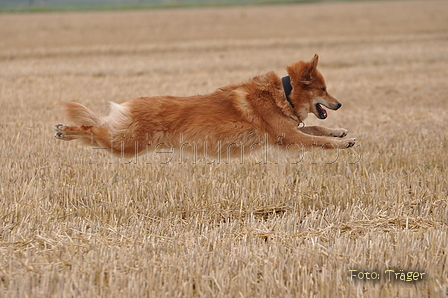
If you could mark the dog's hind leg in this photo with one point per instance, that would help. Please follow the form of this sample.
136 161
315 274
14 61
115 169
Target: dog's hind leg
107 132
94 136
87 134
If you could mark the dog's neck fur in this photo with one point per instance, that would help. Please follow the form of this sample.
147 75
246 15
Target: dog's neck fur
286 81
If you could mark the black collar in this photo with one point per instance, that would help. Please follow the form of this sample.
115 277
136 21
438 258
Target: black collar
286 81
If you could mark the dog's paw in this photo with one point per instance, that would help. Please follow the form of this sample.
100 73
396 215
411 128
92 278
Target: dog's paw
60 127
350 143
339 144
60 132
339 132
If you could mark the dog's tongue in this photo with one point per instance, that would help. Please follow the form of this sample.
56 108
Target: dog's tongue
322 111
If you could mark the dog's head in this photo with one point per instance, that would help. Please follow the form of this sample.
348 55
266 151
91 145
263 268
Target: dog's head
309 91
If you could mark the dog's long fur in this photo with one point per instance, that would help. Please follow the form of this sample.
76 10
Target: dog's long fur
244 114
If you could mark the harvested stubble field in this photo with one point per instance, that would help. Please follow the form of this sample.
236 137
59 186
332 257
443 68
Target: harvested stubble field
76 222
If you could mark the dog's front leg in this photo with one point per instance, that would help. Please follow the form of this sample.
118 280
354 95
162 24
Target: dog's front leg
298 138
324 131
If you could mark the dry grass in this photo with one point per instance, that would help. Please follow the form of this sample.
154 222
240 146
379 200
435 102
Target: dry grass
78 223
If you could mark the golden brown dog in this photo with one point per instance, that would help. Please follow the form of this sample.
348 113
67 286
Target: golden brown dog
237 118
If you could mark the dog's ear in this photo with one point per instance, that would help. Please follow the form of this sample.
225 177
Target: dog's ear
314 61
309 71
303 72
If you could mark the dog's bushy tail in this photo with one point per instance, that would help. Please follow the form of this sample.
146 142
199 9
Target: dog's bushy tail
78 114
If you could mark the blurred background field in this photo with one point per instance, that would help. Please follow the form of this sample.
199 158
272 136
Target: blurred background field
58 5
76 222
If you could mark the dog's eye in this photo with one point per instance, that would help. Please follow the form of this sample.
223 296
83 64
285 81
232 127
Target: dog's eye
324 89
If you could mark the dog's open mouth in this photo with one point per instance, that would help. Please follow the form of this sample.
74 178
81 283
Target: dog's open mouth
321 111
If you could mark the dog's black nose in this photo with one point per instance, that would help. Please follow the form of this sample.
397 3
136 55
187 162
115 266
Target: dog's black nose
339 105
